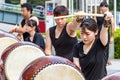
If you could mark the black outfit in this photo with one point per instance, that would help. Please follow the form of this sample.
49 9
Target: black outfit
93 64
64 44
26 34
100 21
38 40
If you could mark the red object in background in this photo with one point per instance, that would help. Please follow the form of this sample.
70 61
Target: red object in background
50 13
42 26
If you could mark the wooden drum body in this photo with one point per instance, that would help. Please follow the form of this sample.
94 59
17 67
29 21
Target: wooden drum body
17 56
6 39
51 68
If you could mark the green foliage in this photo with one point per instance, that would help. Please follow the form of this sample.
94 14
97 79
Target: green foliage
111 5
77 31
117 43
42 2
37 2
32 2
69 20
78 34
13 1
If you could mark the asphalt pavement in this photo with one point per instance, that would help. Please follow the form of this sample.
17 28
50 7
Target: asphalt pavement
114 67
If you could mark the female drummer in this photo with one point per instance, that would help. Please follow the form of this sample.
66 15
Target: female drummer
34 37
89 54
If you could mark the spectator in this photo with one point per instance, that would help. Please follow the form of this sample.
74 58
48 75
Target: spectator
35 37
26 11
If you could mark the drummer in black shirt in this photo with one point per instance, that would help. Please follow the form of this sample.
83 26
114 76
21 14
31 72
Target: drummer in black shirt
89 54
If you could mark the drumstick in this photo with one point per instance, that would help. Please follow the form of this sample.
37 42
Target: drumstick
85 14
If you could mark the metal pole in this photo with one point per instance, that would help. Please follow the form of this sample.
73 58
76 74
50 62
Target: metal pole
69 7
76 4
95 6
83 9
80 5
91 6
108 2
72 6
53 4
115 13
86 6
53 9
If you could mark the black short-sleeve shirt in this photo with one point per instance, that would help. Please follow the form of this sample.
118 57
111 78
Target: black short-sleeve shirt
64 44
38 40
26 34
93 64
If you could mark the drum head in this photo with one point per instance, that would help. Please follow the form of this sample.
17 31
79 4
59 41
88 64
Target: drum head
17 56
6 40
58 72
49 68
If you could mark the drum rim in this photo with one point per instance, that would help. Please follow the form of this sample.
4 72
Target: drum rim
5 46
15 45
67 62
2 36
6 34
11 48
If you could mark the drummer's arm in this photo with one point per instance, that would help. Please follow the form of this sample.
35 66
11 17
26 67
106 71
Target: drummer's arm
19 29
104 30
76 61
48 44
112 31
73 26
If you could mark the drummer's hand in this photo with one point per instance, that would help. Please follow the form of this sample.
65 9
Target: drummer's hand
19 36
12 30
108 16
79 14
107 19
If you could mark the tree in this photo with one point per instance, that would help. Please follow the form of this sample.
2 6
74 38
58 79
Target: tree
118 4
111 5
32 2
37 2
42 2
13 1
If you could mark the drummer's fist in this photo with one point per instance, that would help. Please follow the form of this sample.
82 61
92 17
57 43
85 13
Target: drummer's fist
80 16
107 19
13 30
108 16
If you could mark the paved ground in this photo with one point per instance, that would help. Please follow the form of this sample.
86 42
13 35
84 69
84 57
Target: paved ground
115 67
